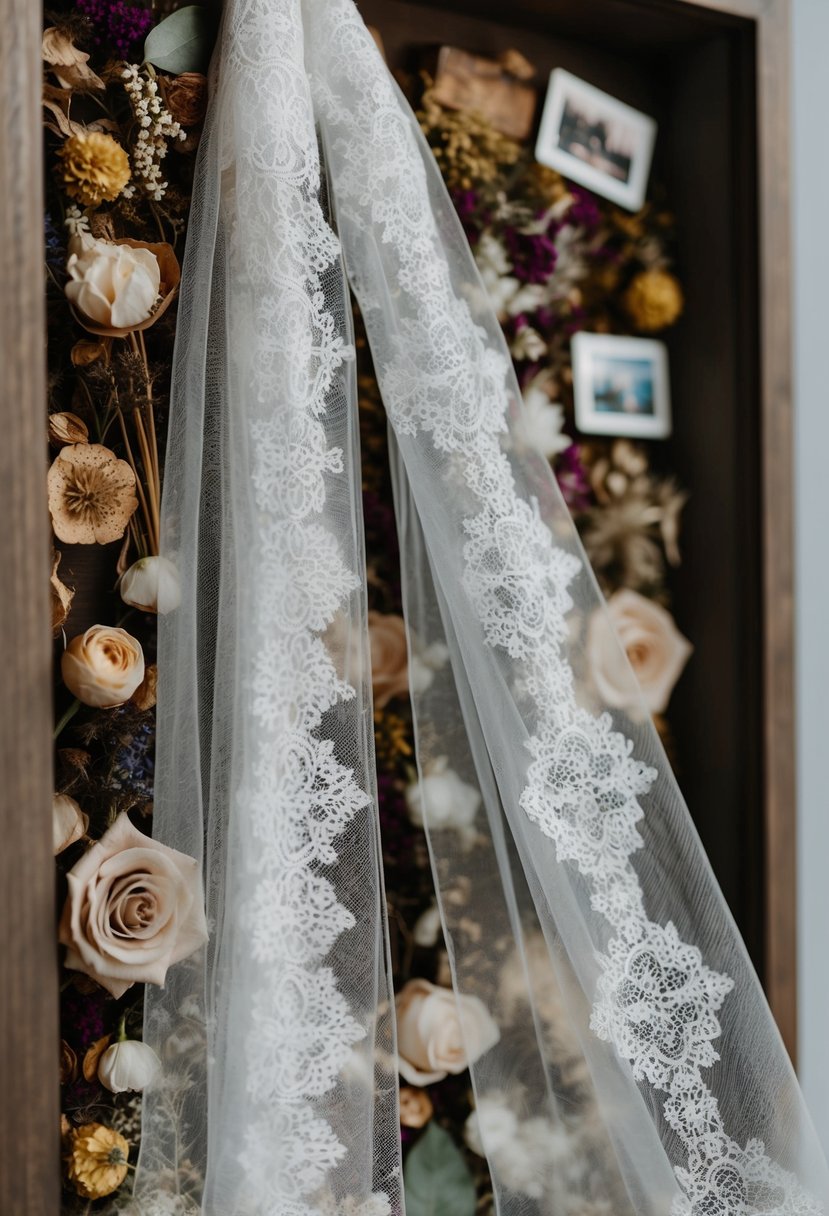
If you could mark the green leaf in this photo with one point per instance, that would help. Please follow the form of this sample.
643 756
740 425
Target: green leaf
183 41
436 1180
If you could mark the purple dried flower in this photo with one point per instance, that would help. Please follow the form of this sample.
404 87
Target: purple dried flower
572 479
584 212
533 255
117 22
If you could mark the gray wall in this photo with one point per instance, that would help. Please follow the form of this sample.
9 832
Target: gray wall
811 233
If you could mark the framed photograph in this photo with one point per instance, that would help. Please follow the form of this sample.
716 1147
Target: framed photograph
621 386
595 140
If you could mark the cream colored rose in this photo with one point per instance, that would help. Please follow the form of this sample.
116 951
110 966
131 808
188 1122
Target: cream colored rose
69 823
114 285
430 1041
441 800
128 1065
103 667
134 908
654 647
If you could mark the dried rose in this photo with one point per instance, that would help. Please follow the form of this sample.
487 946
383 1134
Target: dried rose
103 667
128 1065
91 495
152 585
69 823
134 908
186 98
94 168
416 1107
67 428
440 1032
650 643
97 1160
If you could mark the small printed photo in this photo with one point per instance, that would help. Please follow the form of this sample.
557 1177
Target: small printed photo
621 386
595 140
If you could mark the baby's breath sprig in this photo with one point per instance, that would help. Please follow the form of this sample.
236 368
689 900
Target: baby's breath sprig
156 127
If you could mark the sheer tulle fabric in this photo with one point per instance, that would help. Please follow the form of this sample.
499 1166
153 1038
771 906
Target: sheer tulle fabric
637 1068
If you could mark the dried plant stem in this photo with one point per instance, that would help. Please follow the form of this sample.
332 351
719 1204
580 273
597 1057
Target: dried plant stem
142 499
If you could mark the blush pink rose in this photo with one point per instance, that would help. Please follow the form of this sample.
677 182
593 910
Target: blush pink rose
654 647
435 1030
134 908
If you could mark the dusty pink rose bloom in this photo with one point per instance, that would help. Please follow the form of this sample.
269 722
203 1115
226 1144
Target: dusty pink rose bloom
134 908
389 657
655 649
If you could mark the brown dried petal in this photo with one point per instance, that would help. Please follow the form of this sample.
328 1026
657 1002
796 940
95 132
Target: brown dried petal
68 1063
85 352
62 596
93 1055
67 428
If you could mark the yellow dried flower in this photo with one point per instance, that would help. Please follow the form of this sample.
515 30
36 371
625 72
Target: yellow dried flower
466 146
97 1160
654 300
95 168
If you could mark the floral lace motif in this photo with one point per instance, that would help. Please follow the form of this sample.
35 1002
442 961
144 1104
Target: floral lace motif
656 1001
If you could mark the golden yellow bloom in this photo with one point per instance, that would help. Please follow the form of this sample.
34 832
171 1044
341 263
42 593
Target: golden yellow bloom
466 146
97 1160
654 300
95 168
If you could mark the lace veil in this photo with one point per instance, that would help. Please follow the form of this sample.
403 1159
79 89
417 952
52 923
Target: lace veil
635 1052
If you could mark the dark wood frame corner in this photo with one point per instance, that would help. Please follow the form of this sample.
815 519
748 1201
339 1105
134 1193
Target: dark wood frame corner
29 1128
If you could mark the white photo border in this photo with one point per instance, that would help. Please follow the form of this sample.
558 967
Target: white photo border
585 348
563 86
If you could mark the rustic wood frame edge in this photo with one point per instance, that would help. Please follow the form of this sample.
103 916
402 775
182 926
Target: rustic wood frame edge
29 1111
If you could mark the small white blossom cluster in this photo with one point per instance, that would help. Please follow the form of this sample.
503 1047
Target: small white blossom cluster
156 126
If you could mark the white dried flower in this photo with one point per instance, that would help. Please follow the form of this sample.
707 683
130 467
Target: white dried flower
129 1065
156 127
152 585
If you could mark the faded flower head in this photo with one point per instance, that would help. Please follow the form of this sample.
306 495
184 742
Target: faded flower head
94 168
416 1107
97 1160
635 632
91 495
69 823
654 300
113 286
186 98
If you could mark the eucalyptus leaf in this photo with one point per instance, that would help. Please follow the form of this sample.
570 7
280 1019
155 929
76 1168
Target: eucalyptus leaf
183 41
436 1180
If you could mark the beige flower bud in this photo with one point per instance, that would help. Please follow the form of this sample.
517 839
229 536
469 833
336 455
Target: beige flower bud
152 585
67 428
69 823
130 1065
103 667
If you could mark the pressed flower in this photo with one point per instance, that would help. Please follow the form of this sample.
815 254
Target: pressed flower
66 428
654 300
91 495
97 1160
95 168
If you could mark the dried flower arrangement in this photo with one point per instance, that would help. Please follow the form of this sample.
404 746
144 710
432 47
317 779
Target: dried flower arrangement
115 111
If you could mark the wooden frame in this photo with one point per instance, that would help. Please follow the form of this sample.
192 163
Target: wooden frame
29 1180
29 1128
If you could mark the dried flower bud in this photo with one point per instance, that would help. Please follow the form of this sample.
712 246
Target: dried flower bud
146 694
416 1107
152 585
93 1056
186 98
129 1065
67 428
69 823
85 352
68 1063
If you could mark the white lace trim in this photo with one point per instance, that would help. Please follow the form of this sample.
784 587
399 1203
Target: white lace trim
300 798
656 1001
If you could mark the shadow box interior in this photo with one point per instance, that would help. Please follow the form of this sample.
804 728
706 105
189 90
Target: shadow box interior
694 71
